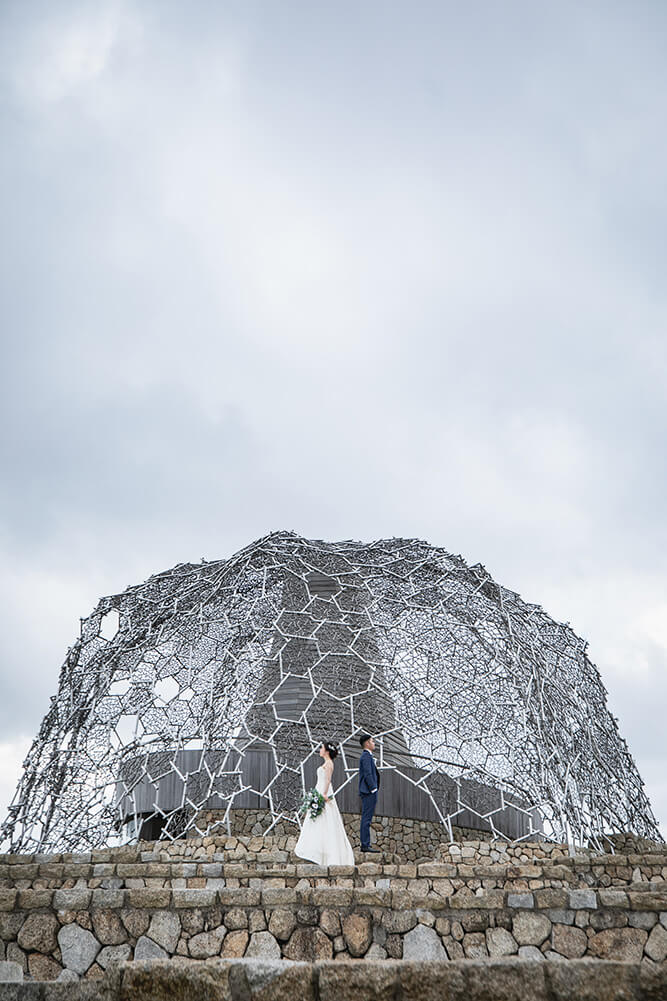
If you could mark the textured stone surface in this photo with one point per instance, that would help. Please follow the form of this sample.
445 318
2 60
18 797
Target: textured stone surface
262 945
241 897
136 922
504 980
10 973
307 915
530 928
612 898
520 900
192 922
235 919
34 899
569 941
625 944
196 897
271 980
7 899
475 921
399 921
256 921
146 948
580 899
9 925
106 899
174 980
357 932
656 947
283 922
354 981
76 899
153 898
475 980
108 927
43 967
601 920
423 943
394 946
443 926
530 952
500 942
523 978
78 947
68 977
113 954
454 949
38 932
235 944
207 943
15 954
474 945
308 944
165 929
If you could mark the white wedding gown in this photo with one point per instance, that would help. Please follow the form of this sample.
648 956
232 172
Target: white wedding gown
323 840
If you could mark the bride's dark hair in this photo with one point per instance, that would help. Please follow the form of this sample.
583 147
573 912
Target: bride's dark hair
331 749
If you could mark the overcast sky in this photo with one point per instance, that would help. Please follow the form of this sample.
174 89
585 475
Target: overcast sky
358 270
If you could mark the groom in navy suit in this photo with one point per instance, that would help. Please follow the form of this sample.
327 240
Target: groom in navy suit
369 783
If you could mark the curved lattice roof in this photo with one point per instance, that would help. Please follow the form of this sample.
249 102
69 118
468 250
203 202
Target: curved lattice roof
291 641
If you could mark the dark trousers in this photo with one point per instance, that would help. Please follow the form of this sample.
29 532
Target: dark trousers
368 804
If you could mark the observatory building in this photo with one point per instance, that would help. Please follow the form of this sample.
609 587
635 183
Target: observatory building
194 703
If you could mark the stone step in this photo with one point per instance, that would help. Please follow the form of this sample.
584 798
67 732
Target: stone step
621 868
466 852
461 980
218 870
425 894
598 865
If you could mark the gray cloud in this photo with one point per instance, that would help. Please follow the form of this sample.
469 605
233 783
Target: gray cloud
358 272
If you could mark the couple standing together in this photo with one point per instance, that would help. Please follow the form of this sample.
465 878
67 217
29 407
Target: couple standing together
323 839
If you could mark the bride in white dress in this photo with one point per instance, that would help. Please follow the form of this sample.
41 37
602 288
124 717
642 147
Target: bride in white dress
323 840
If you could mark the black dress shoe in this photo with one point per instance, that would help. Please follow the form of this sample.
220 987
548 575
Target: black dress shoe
376 851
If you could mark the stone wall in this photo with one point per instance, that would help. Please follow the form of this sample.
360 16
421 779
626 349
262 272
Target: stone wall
267 980
411 839
82 931
72 916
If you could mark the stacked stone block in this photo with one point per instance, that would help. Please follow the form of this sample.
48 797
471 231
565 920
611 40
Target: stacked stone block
410 838
66 917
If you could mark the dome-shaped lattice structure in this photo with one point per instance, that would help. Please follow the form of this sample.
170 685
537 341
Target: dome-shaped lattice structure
204 691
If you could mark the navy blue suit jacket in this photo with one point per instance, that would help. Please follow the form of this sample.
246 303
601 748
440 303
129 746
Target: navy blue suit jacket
369 777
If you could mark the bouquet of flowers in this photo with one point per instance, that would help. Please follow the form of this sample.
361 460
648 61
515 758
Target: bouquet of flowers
312 803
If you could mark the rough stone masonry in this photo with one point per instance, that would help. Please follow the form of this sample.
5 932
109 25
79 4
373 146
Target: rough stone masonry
77 918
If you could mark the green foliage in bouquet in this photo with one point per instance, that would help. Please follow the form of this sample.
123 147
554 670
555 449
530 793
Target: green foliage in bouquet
312 803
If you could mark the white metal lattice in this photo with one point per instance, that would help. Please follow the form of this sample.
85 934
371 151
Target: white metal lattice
481 702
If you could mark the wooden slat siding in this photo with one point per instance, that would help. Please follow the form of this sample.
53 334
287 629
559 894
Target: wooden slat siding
321 585
292 659
398 796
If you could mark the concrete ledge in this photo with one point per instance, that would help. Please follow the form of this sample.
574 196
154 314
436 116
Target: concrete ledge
280 980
